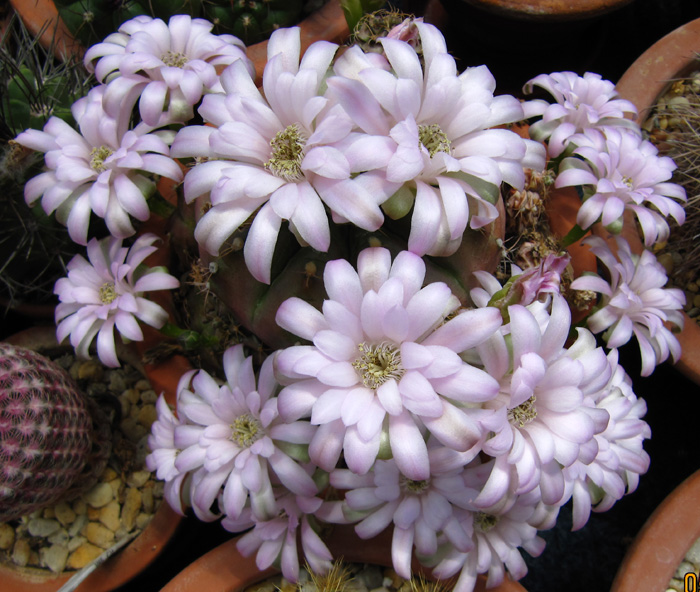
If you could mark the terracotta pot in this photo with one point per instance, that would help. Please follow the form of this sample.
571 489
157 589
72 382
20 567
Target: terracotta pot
663 541
646 79
224 569
143 550
326 23
554 10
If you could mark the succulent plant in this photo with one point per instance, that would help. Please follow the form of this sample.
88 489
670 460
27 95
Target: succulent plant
90 21
54 442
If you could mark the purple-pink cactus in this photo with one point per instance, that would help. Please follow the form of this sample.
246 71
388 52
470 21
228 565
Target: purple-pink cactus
46 433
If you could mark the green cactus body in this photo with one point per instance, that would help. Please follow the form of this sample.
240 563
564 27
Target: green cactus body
253 20
298 270
52 442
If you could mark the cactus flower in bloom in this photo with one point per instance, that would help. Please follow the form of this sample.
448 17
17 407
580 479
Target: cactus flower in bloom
165 67
582 102
618 170
99 169
634 302
384 358
105 292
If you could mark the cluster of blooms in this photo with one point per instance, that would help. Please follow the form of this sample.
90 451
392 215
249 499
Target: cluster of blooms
467 429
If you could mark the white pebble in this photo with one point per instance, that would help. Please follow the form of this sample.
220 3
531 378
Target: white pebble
99 496
54 557
43 527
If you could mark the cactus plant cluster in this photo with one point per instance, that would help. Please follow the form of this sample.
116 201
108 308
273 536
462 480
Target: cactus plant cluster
91 21
54 442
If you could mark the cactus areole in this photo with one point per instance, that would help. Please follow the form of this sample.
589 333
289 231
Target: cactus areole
46 434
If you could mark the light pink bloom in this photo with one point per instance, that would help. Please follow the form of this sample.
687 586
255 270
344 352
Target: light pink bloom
582 102
161 459
496 536
107 292
280 156
99 169
166 67
621 171
383 366
233 430
540 403
619 456
448 159
634 302
418 510
275 539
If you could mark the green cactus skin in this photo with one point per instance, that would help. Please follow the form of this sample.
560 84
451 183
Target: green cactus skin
54 442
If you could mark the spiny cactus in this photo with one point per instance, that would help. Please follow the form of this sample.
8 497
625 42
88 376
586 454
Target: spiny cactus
90 21
54 442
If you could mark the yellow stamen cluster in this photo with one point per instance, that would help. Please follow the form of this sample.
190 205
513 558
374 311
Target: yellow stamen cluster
108 293
98 157
378 363
434 139
246 430
287 154
523 413
175 60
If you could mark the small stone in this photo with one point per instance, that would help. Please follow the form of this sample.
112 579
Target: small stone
91 370
142 520
54 557
131 395
142 385
79 506
99 535
132 430
93 514
109 515
100 495
116 485
693 554
108 474
33 558
131 508
147 415
75 542
21 553
147 501
80 521
116 381
683 569
149 396
43 527
7 536
126 406
138 478
372 576
692 287
83 555
48 513
666 260
696 301
59 538
64 513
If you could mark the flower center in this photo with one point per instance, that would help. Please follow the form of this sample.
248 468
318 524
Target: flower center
434 139
287 154
175 60
246 430
484 522
412 486
108 293
378 363
628 181
98 157
523 413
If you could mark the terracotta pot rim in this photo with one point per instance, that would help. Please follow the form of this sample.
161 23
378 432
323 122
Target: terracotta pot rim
129 561
225 569
548 10
663 541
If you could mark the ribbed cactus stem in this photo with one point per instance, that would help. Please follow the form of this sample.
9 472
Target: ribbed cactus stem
54 441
